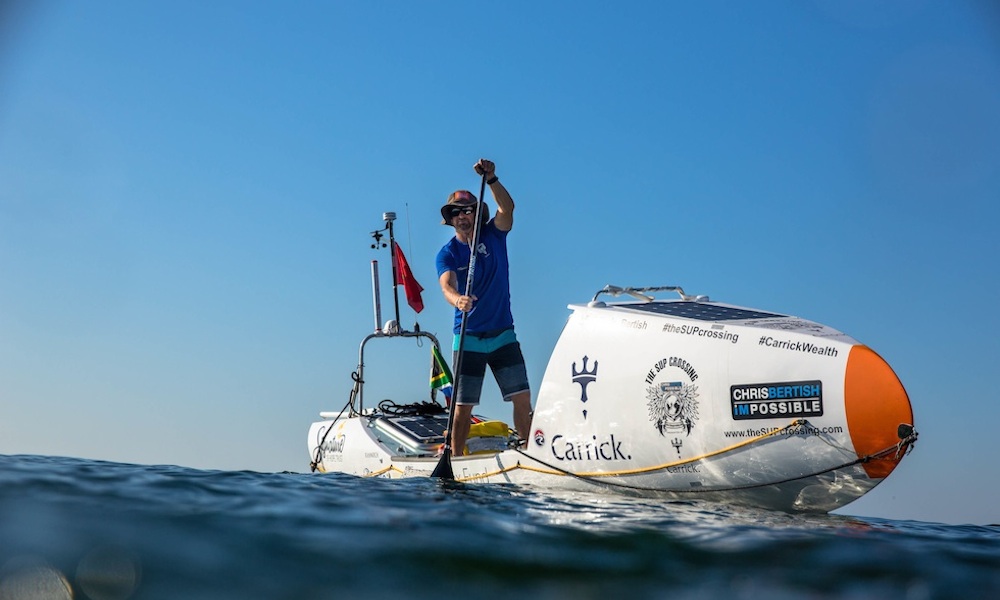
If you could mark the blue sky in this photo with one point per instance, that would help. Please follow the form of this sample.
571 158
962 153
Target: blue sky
187 191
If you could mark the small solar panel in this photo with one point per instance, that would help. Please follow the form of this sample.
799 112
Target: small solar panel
702 311
423 429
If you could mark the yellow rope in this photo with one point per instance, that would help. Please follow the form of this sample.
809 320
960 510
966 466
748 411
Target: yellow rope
386 470
492 473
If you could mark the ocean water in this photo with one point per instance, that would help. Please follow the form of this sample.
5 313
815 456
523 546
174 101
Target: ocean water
73 528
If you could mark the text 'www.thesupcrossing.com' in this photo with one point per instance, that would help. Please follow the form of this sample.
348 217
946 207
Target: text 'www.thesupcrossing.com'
797 430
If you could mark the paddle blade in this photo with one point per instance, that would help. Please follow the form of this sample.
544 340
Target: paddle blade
443 469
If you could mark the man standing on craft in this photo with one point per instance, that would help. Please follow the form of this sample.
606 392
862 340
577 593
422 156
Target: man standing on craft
489 329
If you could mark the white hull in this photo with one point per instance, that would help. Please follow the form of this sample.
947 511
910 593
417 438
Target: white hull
680 399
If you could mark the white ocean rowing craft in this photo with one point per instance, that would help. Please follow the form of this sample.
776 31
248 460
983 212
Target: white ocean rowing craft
679 397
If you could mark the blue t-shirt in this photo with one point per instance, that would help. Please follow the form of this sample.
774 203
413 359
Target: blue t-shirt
490 282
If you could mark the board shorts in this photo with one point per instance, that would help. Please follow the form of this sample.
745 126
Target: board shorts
502 352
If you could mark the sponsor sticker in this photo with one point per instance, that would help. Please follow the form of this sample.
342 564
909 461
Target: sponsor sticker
776 400
672 398
604 448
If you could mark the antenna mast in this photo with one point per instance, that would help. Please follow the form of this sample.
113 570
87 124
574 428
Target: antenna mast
388 217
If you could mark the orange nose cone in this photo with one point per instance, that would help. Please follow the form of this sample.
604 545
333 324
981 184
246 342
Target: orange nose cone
876 405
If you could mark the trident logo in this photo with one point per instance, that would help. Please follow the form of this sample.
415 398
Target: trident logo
677 443
584 377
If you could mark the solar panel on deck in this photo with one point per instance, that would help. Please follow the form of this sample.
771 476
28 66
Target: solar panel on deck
702 311
422 428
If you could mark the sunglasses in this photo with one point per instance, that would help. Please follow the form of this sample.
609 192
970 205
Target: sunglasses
468 210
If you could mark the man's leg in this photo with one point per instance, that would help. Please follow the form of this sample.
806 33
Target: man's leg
508 367
469 385
460 428
522 413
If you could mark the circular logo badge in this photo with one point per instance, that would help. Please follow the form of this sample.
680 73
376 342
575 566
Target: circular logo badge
539 437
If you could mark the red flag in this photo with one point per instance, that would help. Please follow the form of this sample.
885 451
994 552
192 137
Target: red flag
410 284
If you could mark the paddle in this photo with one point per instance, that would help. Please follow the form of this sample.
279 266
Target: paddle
443 469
